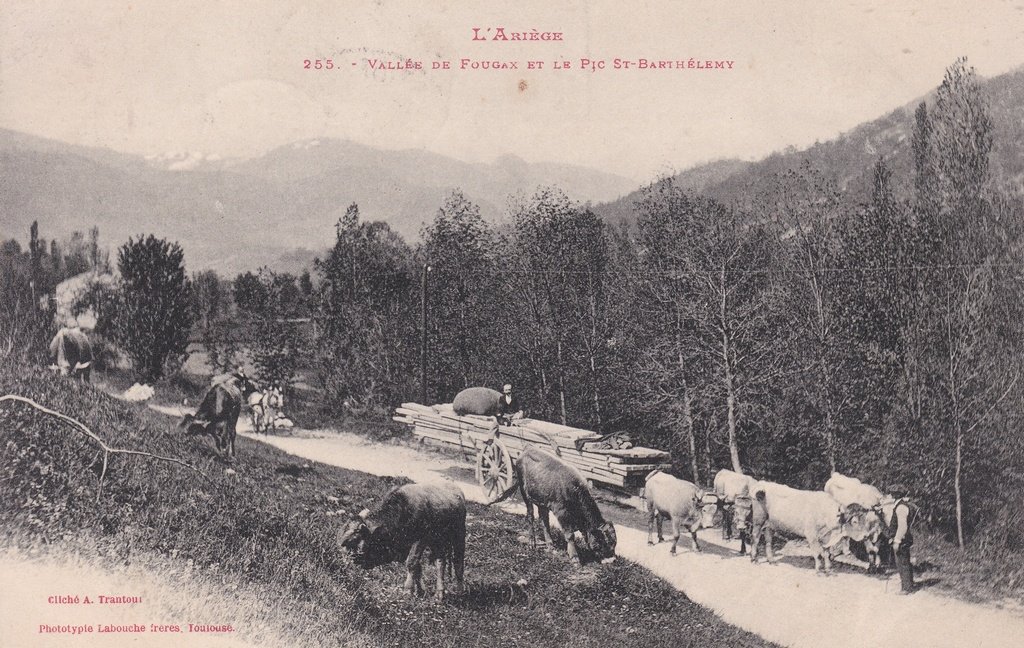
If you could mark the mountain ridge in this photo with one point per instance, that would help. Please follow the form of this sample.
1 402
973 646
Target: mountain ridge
236 214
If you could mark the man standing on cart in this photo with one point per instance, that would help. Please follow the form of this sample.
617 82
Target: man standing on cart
508 407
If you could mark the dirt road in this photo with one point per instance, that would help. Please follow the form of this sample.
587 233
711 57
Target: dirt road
785 603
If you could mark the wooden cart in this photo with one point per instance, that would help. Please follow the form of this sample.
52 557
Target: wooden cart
496 448
494 470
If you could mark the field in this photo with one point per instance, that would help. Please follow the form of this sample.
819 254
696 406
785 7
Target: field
268 531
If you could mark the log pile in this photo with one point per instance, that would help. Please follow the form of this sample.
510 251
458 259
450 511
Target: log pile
625 468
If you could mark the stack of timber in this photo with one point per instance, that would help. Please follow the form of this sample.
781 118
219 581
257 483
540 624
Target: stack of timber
625 468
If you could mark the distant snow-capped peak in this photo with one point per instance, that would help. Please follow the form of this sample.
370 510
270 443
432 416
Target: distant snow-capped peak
182 160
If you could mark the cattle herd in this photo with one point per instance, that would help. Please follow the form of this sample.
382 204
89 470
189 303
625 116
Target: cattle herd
422 518
846 511
419 517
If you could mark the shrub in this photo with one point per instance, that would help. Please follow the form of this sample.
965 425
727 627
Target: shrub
152 318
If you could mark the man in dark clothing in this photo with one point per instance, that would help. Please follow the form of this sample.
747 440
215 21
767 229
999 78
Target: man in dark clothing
508 407
899 514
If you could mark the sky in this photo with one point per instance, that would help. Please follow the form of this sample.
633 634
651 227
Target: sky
227 78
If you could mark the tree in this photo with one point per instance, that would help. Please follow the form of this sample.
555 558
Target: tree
884 324
211 299
35 256
306 285
224 350
79 256
98 257
284 291
559 252
588 307
208 298
961 140
805 207
365 317
673 374
721 262
24 330
626 336
463 307
153 318
250 293
56 258
953 142
277 342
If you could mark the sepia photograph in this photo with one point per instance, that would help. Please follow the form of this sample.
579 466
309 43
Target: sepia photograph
448 324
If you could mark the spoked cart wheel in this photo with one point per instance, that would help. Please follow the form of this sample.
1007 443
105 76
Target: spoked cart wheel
494 469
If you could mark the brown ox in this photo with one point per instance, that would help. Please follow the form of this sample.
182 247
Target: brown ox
218 413
412 519
71 353
551 485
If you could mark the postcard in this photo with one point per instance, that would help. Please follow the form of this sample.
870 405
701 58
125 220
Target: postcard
316 312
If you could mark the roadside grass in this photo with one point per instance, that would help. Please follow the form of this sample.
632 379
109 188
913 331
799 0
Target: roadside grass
986 575
268 529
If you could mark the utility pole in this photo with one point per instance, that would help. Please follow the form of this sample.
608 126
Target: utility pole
423 341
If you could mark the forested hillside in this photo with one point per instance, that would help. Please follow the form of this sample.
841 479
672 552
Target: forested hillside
848 159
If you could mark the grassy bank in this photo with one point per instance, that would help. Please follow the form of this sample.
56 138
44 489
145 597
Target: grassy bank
269 530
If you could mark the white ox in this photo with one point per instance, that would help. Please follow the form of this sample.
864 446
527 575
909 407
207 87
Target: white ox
850 490
854 495
682 502
728 486
814 516
266 408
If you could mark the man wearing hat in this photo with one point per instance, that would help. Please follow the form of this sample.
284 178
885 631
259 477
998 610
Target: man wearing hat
899 514
508 406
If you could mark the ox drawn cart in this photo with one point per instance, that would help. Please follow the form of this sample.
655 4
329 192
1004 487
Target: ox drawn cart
497 447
